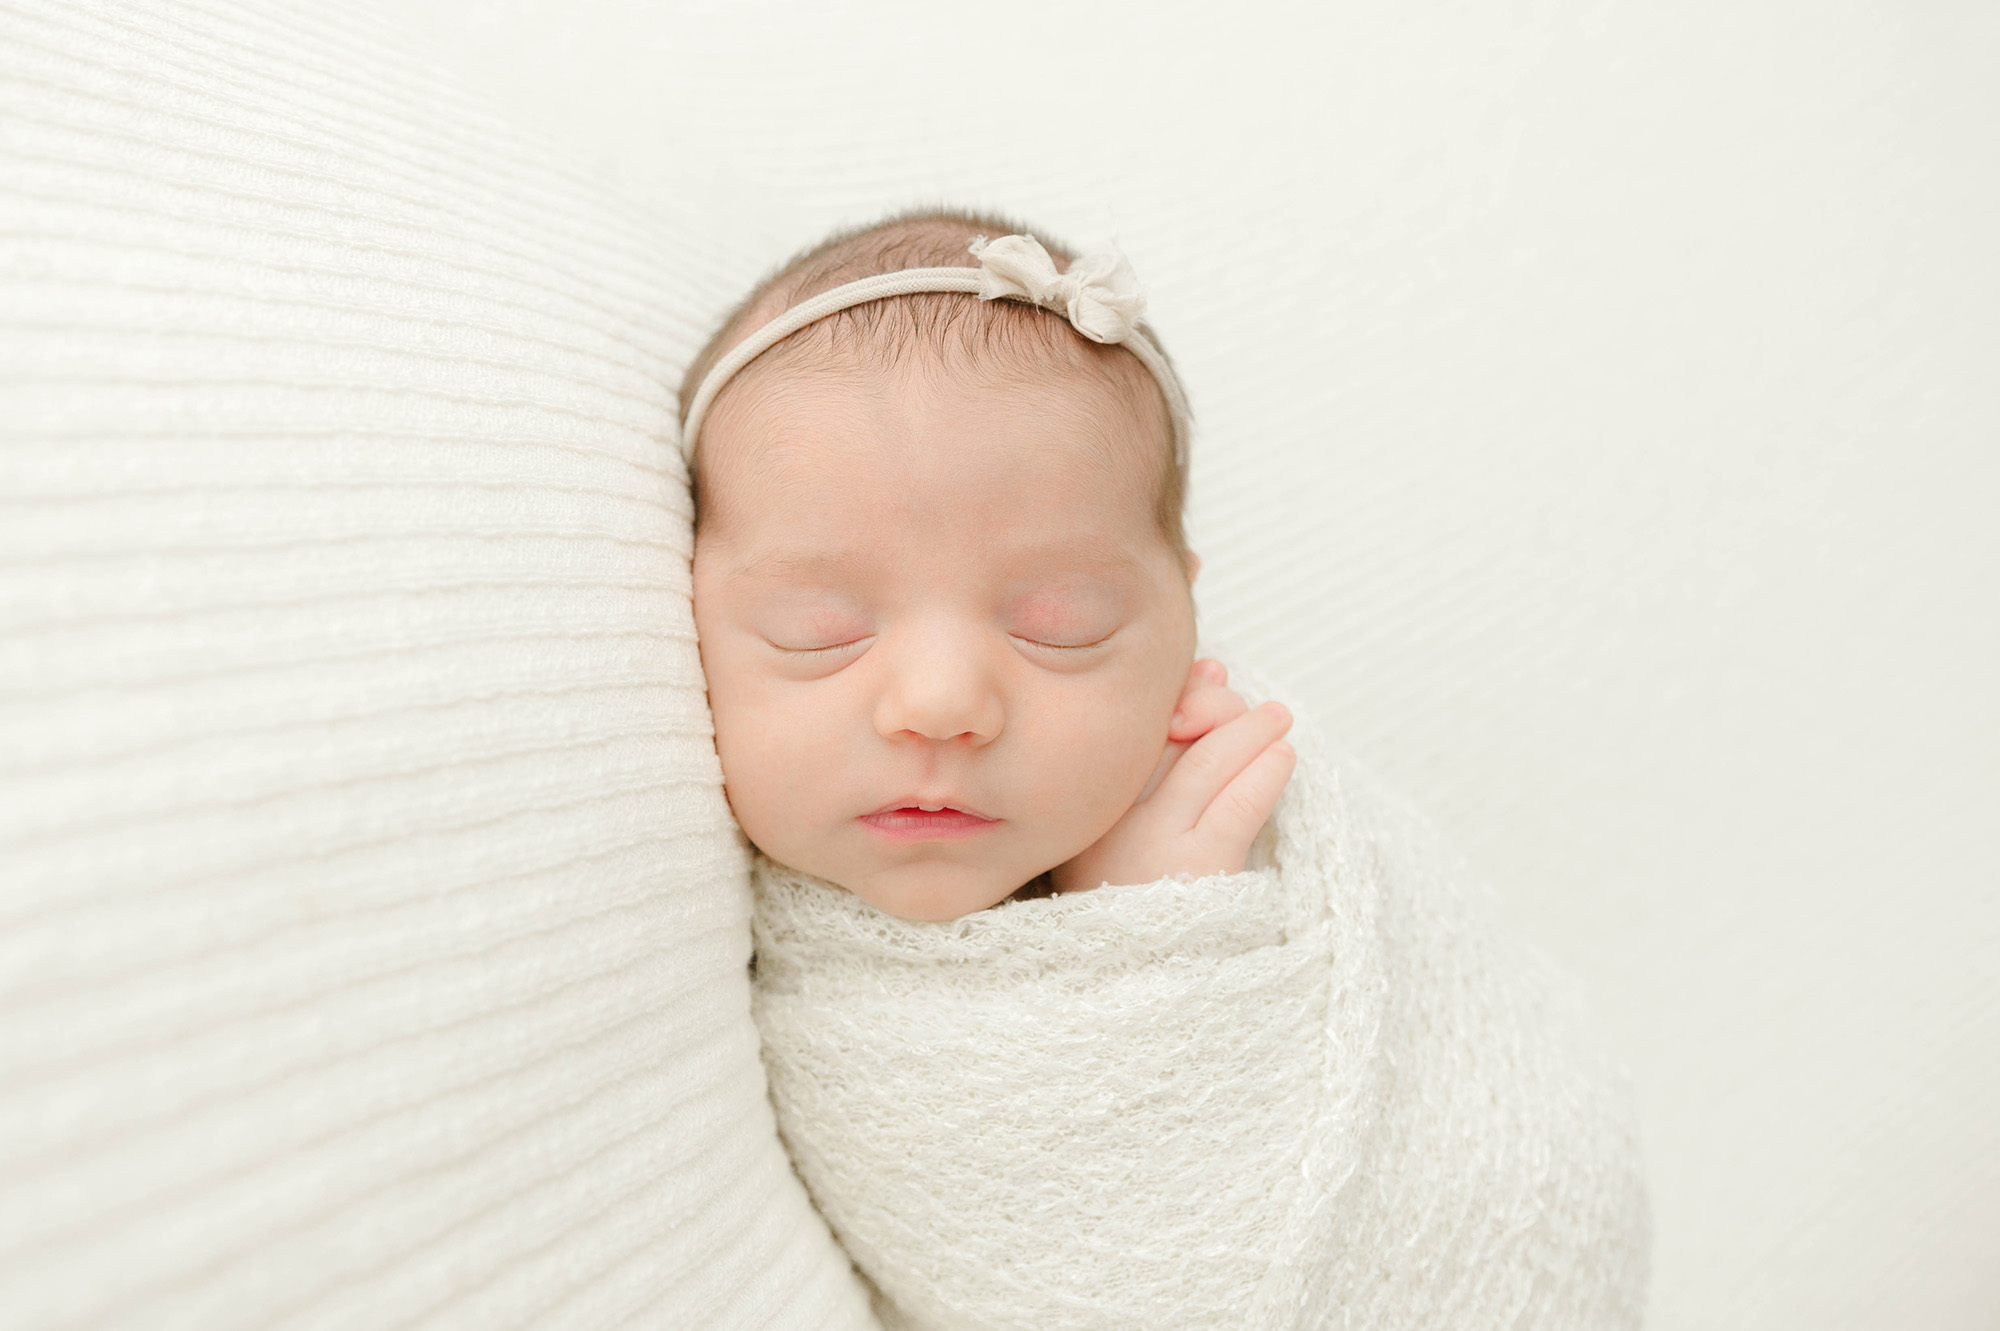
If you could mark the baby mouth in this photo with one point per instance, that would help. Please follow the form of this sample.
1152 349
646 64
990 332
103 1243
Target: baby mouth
914 820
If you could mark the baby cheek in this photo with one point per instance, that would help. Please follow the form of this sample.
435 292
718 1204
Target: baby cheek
772 763
1100 764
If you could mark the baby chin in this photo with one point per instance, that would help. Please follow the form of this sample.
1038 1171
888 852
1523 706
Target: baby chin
929 887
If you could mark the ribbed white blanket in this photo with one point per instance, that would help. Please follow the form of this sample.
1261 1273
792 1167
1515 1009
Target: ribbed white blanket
1326 1092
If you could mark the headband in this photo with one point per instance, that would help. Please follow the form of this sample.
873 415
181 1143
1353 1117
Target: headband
1098 295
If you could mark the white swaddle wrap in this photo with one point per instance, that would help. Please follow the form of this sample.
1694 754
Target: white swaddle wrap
1324 1093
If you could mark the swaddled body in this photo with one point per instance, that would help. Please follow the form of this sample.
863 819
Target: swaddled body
1324 1094
944 605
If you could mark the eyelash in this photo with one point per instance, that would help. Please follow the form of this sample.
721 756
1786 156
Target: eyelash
822 651
831 648
1065 646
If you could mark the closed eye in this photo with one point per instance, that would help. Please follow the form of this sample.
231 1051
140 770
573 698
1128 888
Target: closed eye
1065 646
830 649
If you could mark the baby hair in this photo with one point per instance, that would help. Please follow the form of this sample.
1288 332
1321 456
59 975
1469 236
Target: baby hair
938 333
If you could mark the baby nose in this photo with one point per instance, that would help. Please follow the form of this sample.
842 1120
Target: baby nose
940 691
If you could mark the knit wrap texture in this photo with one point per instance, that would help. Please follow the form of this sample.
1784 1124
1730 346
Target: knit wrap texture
1325 1092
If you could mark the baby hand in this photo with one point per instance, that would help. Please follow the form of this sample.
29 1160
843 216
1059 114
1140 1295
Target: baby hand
1218 781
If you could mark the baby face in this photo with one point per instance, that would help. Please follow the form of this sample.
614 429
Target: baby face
942 632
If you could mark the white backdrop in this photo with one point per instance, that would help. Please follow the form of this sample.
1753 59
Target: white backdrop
1600 427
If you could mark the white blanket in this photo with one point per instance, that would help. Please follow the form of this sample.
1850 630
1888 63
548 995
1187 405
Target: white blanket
1325 1092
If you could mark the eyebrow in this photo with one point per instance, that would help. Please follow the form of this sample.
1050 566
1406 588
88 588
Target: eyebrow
795 563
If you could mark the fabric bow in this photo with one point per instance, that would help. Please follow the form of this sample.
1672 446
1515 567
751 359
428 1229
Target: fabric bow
1099 294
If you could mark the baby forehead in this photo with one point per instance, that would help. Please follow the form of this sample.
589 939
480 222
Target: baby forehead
904 446
1042 565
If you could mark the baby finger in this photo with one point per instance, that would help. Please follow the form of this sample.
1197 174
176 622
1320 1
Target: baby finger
1246 803
1202 709
1214 760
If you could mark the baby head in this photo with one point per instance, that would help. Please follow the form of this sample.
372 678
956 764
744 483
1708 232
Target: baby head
940 580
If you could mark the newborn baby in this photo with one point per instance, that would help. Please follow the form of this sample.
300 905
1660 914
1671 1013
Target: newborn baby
943 599
1087 1001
